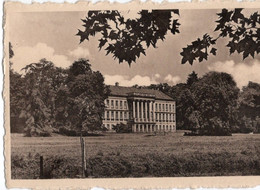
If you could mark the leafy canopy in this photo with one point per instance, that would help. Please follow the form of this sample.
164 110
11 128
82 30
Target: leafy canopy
126 39
242 32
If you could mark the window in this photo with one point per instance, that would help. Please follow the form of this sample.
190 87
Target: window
163 117
125 115
159 107
121 116
166 107
112 103
166 117
125 104
170 107
121 104
116 104
156 107
163 107
107 103
108 115
112 115
116 115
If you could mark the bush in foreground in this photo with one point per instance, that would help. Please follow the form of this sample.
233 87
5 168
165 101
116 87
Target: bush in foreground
146 165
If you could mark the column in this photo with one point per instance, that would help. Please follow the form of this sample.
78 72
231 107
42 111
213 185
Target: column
142 127
109 115
148 108
134 128
123 115
145 109
138 111
133 109
142 110
153 103
150 111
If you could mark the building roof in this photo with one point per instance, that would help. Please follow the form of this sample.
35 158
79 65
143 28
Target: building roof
125 91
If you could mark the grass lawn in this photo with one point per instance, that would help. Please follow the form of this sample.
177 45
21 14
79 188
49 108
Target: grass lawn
138 155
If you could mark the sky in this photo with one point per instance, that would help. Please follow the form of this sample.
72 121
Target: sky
52 35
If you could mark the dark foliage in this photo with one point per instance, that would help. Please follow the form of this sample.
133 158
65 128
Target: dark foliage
192 78
152 164
87 93
127 39
122 128
47 98
242 32
249 108
206 105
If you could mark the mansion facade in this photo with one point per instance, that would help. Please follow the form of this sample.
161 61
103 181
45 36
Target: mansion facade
145 110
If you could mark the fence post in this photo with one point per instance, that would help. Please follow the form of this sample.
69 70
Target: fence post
41 167
83 156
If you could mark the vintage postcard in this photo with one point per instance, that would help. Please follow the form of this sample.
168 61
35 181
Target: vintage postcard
132 96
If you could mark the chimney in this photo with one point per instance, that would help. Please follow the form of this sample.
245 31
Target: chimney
117 84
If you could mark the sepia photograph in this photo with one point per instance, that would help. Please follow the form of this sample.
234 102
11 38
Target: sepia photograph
134 93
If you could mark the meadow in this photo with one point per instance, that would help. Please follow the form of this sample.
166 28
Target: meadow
136 155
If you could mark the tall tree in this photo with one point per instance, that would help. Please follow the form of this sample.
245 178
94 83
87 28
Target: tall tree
87 93
17 92
193 77
249 108
39 99
215 98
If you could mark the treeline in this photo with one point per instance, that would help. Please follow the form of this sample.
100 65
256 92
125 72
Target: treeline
70 101
214 105
48 98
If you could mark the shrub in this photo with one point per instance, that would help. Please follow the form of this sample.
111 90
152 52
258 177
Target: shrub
37 132
146 165
67 131
122 128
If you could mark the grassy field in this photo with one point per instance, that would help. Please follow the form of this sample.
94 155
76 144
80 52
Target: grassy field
137 155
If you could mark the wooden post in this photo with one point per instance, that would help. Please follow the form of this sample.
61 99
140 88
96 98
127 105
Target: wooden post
83 156
41 167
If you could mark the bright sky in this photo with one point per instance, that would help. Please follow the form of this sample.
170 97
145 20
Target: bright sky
51 35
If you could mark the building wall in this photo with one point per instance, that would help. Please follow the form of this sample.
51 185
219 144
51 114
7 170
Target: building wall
116 111
165 115
143 114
